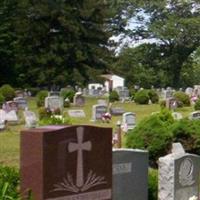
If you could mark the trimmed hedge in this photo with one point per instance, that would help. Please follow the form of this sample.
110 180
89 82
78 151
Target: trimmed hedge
40 97
182 97
197 105
113 96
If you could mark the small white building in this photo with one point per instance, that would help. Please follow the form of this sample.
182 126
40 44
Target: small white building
112 81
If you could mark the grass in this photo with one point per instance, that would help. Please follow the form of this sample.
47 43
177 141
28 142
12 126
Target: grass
10 138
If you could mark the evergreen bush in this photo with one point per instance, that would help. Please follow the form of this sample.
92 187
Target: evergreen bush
8 92
187 132
153 96
153 134
40 97
197 105
68 93
2 99
182 98
113 96
153 184
142 97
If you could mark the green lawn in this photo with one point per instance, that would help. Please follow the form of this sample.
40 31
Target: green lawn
10 138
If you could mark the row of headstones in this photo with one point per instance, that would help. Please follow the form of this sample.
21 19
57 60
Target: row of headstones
77 162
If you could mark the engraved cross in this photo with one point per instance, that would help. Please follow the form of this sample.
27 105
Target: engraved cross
79 146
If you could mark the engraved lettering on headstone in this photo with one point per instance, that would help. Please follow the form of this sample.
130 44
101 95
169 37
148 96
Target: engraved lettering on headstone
122 168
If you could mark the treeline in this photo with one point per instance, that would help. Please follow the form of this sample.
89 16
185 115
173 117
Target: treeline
59 42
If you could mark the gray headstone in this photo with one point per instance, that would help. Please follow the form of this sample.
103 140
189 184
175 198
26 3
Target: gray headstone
128 121
54 102
194 115
21 102
179 175
30 119
54 93
98 111
130 174
116 111
79 99
76 113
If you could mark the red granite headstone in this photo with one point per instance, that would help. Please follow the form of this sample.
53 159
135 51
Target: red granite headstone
67 163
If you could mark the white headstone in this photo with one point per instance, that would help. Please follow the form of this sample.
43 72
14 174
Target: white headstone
76 113
128 121
54 102
12 117
30 119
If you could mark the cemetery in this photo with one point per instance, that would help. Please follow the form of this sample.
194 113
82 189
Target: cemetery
138 141
100 100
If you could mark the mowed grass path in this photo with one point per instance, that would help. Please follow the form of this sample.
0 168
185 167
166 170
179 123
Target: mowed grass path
10 138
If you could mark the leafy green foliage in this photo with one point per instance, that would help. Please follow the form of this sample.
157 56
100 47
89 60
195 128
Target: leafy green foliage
187 132
9 181
182 97
113 96
197 105
2 99
153 184
142 97
68 93
55 120
153 134
153 96
8 92
40 97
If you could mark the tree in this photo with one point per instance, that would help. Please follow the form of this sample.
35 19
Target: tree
60 41
7 41
172 25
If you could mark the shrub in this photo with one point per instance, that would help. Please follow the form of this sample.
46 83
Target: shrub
163 104
197 105
40 98
68 93
8 92
187 132
2 99
153 134
142 97
153 96
182 97
153 184
55 120
9 181
113 96
44 113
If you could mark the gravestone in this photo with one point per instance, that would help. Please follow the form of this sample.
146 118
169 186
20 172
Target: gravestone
30 119
178 175
130 174
79 99
189 91
9 106
177 115
171 103
102 102
21 102
123 93
67 162
116 111
54 102
54 93
2 119
98 111
194 115
76 113
167 93
128 121
11 117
